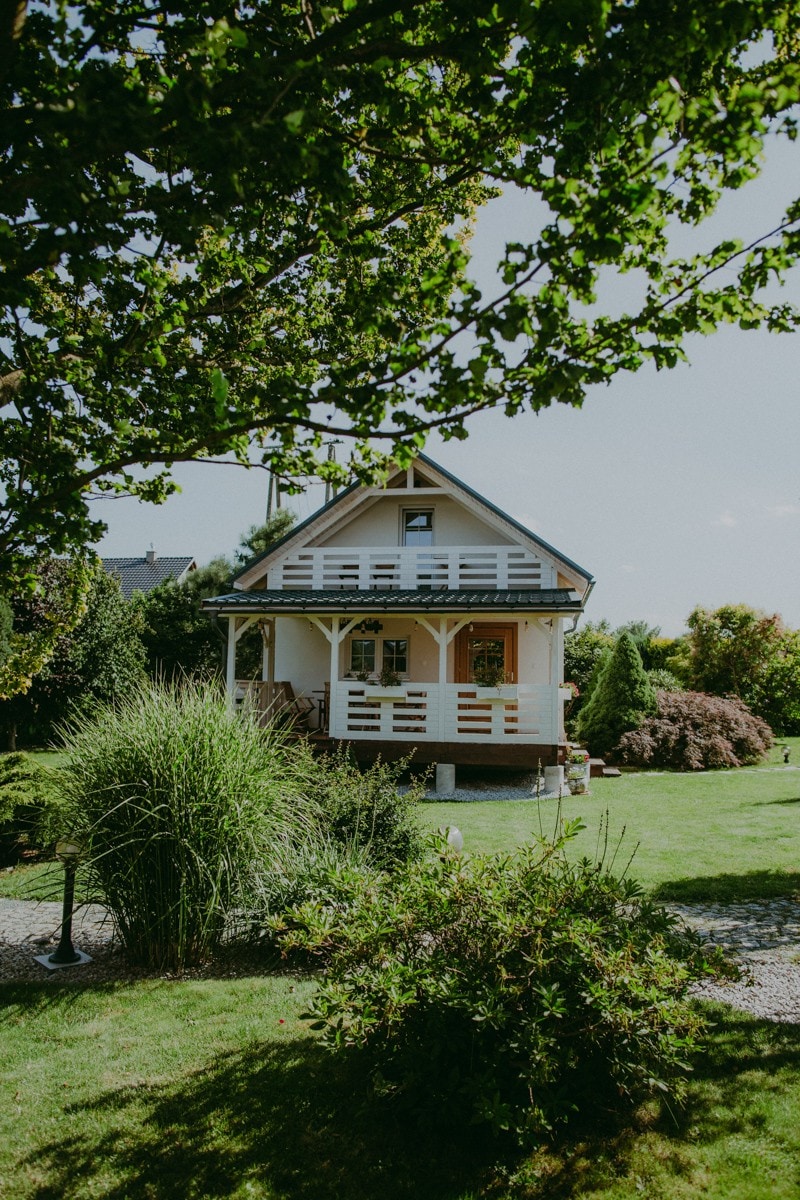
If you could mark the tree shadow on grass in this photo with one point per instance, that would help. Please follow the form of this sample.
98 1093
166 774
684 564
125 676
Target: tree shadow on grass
744 1059
730 887
289 1121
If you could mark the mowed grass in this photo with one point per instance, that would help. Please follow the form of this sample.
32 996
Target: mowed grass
720 835
215 1089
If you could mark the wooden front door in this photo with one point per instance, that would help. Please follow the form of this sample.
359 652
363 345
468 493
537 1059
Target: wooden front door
480 645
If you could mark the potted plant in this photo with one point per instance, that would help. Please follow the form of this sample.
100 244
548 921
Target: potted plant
578 770
388 685
490 684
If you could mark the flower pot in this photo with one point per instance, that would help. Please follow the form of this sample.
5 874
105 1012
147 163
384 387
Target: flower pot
503 691
375 691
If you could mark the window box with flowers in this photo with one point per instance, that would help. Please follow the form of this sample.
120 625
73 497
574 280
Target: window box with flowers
387 687
489 681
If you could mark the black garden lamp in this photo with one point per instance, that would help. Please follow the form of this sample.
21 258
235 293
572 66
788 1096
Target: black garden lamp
68 851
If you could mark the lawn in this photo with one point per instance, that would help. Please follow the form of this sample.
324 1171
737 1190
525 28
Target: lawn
719 835
215 1088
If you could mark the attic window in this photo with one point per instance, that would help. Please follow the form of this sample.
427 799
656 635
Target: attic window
418 527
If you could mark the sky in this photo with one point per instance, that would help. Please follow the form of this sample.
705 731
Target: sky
673 489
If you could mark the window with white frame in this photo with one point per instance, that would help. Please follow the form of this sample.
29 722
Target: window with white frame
362 656
417 527
370 656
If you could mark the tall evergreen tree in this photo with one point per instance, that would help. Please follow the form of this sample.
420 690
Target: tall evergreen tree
621 700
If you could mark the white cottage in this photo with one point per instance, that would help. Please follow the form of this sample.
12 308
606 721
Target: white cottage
415 615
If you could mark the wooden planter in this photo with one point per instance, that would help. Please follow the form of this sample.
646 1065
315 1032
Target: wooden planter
503 691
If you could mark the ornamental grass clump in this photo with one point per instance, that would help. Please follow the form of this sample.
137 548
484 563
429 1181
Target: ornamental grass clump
181 804
513 990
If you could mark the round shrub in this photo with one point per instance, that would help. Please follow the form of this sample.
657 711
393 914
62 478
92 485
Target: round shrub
694 732
365 809
180 802
30 810
512 990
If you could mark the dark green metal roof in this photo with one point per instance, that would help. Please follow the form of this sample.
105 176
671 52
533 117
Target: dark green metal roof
341 601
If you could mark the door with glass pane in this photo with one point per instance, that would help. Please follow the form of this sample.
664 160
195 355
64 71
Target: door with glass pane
486 654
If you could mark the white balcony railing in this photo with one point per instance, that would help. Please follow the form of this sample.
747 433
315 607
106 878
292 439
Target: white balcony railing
415 568
452 712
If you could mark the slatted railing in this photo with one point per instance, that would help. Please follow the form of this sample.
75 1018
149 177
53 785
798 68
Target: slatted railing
519 713
455 567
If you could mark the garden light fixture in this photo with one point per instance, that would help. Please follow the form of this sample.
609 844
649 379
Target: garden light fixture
68 851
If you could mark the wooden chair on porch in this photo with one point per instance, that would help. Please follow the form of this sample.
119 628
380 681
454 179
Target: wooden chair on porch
295 709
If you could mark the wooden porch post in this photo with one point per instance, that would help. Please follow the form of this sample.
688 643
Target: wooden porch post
230 664
442 639
335 641
553 624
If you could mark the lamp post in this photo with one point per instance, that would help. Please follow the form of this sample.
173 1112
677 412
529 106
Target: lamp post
68 852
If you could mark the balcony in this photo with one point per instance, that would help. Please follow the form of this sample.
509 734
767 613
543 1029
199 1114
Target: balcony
413 568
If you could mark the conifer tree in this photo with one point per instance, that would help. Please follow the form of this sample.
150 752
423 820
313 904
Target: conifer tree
621 700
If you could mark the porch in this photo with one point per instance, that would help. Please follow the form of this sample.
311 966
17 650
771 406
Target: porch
511 724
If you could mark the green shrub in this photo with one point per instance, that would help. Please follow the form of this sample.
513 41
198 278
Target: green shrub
365 809
181 804
514 990
664 681
323 875
621 700
30 811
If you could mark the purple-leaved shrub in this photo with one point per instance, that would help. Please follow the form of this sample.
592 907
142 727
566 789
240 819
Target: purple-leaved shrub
692 731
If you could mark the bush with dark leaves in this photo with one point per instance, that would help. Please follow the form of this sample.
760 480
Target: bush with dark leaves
692 731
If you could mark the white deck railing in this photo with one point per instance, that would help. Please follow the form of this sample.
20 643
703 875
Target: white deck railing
346 568
453 712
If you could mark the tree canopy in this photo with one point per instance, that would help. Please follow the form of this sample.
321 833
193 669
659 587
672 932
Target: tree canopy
740 651
243 230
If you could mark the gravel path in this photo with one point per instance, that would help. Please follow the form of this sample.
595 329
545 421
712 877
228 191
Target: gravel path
763 936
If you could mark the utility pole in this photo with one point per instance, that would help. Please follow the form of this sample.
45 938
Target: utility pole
273 496
330 491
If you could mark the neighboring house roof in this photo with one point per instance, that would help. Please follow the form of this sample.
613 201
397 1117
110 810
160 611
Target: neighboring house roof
324 518
444 600
143 574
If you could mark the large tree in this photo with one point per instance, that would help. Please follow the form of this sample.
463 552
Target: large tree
100 657
741 651
243 229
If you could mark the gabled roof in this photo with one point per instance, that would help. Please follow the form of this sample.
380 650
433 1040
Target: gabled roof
343 600
143 574
325 518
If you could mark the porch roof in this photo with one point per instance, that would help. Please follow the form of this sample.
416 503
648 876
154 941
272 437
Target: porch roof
342 601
